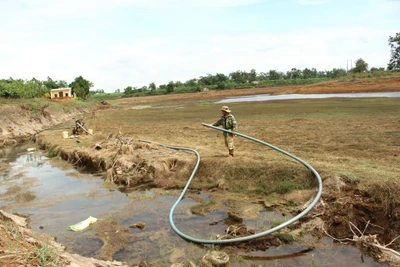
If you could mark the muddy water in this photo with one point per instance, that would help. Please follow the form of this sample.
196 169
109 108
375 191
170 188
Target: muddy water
55 196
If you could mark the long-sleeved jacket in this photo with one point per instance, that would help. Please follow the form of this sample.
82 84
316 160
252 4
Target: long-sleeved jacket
228 123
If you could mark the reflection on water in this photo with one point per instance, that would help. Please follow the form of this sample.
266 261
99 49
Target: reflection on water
253 98
65 197
12 155
87 246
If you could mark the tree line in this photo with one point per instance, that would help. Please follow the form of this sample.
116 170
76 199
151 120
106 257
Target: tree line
19 88
244 79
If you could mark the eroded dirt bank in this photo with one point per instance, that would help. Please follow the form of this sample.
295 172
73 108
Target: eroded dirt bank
20 121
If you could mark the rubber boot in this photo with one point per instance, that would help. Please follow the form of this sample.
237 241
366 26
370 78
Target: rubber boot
231 152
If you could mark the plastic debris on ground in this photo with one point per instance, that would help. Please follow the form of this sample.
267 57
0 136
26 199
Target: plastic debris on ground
83 224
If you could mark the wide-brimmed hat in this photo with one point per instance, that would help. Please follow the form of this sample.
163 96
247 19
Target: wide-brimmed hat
225 108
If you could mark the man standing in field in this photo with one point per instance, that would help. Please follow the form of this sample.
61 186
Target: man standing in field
228 122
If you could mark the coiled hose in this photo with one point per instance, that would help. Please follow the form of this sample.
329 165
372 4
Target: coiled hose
245 238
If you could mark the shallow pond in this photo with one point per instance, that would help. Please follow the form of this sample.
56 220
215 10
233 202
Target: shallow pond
55 195
264 97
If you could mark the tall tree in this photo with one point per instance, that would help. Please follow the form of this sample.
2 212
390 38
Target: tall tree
50 83
336 73
128 91
170 87
238 76
83 85
143 89
38 87
294 74
62 84
361 66
206 80
79 91
220 78
321 74
394 43
152 86
191 83
262 76
274 75
10 87
307 73
252 76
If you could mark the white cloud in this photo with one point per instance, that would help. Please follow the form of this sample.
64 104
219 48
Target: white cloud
89 8
224 3
163 59
312 2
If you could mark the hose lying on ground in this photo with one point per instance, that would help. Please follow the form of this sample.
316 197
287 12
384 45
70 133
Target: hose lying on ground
59 128
245 238
49 129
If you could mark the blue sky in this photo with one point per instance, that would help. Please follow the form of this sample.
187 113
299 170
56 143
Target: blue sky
121 43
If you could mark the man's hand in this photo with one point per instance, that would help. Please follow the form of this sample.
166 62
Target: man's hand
233 133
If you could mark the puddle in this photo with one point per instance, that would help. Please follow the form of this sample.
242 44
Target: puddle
55 198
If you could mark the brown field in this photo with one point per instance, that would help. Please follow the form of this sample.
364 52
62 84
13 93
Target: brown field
354 144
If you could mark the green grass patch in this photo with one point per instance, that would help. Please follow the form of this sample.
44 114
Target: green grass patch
207 203
348 177
239 189
286 186
245 173
52 151
286 238
105 96
83 143
262 188
47 256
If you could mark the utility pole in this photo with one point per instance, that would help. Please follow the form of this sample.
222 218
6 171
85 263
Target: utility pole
351 64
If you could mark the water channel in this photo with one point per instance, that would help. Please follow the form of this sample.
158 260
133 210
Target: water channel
55 195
